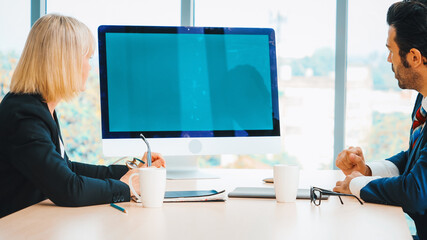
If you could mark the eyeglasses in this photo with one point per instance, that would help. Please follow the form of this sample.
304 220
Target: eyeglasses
133 163
317 193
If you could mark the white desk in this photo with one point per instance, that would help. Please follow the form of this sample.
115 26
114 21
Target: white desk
234 219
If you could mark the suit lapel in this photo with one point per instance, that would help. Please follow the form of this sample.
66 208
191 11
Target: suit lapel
415 153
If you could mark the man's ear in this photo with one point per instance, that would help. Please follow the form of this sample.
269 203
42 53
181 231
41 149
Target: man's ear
416 58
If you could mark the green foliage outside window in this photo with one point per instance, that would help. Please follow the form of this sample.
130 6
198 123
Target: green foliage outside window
386 137
7 65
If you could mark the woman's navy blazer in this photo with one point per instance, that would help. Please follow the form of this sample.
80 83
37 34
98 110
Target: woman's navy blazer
31 166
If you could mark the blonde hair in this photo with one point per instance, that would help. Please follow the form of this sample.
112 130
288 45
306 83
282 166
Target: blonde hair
51 62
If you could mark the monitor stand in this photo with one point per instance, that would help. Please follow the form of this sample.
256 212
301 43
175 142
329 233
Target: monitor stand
185 167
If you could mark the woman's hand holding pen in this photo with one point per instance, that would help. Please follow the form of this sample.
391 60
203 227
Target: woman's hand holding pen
157 160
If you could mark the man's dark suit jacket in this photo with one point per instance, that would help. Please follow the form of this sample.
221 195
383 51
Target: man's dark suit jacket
409 189
31 166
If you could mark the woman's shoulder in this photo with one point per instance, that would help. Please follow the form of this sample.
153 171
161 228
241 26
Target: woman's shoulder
22 114
23 97
22 100
22 104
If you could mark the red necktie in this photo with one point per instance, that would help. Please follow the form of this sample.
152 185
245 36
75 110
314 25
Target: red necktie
417 125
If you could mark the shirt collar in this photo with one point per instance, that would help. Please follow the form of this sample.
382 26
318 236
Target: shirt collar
424 103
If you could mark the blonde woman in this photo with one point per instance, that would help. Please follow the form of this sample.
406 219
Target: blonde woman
54 66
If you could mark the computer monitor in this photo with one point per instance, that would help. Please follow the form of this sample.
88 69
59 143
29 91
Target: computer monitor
189 90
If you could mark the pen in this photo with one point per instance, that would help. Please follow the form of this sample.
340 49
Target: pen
118 207
139 160
148 150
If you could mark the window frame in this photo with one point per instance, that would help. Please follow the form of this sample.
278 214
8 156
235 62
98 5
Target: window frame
38 9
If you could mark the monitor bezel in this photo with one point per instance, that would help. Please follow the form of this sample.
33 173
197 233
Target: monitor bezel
107 134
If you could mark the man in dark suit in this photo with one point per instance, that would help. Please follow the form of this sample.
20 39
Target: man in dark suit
400 180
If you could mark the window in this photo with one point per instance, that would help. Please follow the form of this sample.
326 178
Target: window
378 111
305 40
13 38
306 54
80 118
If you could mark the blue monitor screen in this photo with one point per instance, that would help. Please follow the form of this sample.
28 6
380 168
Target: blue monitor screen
166 83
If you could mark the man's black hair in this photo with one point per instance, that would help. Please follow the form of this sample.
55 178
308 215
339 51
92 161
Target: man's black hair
409 18
420 1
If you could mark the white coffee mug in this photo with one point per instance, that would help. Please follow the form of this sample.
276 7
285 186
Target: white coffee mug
286 180
152 185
